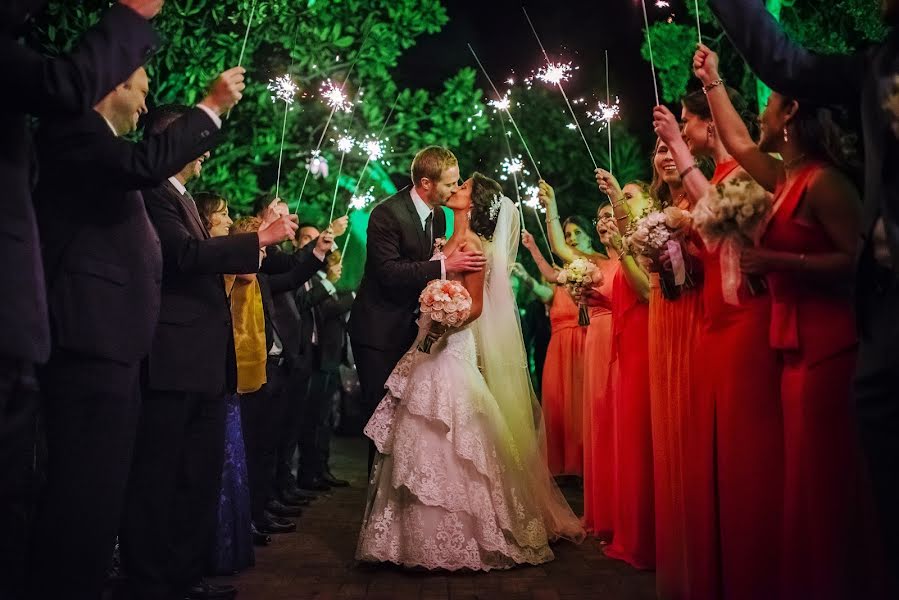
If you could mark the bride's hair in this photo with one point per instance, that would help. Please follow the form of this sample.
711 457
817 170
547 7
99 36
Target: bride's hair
485 195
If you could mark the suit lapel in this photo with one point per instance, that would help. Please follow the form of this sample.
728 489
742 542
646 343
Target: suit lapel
188 206
415 222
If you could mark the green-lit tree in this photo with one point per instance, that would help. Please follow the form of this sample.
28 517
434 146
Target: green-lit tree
827 27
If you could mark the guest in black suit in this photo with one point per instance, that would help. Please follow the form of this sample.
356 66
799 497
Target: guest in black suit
175 480
869 80
401 234
103 269
46 87
323 313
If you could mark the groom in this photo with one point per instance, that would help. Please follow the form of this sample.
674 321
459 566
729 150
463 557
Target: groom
401 235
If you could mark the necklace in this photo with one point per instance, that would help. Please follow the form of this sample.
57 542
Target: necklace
789 165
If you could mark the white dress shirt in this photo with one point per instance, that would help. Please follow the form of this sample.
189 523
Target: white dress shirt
424 211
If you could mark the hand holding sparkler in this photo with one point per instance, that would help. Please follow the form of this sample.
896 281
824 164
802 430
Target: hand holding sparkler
665 124
281 229
608 185
225 91
325 241
705 65
547 196
145 8
528 241
339 226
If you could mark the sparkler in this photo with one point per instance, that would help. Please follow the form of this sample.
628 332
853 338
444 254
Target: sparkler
246 36
698 25
374 148
335 97
652 62
556 73
285 89
607 112
502 103
344 144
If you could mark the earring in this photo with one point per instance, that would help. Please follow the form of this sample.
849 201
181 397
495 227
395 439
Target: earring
786 134
710 130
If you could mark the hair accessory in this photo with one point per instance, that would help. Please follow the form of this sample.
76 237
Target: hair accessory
494 207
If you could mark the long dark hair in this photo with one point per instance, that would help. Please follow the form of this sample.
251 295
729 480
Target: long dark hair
587 227
484 192
820 136
698 104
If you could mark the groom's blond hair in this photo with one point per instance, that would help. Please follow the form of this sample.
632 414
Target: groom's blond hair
431 162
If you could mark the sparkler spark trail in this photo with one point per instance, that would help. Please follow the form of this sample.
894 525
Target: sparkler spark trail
345 143
556 73
500 97
380 147
285 89
503 103
515 167
360 202
335 97
374 148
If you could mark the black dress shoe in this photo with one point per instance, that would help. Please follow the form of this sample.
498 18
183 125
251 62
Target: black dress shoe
259 539
203 590
316 484
298 492
279 509
329 478
292 501
270 526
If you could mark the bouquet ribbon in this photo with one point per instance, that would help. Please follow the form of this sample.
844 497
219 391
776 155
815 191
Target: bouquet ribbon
677 262
731 275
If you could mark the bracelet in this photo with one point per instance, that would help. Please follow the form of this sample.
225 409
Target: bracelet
551 219
708 88
686 171
622 217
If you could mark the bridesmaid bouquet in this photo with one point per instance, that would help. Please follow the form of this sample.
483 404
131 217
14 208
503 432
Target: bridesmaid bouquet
732 216
577 276
663 231
448 304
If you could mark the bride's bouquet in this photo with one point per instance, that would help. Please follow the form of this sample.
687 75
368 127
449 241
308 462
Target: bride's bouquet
577 276
448 304
663 231
732 216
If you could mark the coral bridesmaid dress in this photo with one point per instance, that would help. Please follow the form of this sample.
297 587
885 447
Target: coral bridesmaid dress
634 517
563 387
599 489
828 550
733 452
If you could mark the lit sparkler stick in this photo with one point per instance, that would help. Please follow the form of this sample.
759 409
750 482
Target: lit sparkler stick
374 149
652 62
513 167
344 144
243 48
335 97
503 103
285 89
698 25
557 73
533 201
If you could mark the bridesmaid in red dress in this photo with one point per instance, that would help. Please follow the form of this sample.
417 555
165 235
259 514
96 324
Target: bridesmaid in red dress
563 375
571 240
628 389
807 254
733 453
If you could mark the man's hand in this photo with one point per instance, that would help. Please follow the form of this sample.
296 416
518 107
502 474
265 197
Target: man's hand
465 261
339 226
145 8
226 91
325 242
277 209
282 228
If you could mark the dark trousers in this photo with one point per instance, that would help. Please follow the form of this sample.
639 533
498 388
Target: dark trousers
173 492
290 426
90 409
18 425
316 427
261 414
374 367
877 403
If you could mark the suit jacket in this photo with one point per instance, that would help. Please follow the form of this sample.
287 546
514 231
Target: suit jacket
397 269
324 314
101 254
861 79
193 347
68 85
282 274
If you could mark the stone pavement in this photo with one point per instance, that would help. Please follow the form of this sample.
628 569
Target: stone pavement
317 561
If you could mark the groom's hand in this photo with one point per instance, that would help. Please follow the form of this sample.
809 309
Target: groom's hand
465 261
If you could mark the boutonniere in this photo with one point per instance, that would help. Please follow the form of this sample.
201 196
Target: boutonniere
439 243
891 104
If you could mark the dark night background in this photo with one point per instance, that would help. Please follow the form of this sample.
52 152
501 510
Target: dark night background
576 31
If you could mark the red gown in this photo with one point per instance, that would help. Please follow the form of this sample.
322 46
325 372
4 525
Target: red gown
733 450
563 387
599 489
827 541
634 517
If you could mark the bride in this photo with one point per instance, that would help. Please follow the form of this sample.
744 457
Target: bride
460 480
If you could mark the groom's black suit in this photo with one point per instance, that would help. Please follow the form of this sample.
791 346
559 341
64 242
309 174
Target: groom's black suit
382 324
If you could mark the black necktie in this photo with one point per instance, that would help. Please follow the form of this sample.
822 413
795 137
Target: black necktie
429 232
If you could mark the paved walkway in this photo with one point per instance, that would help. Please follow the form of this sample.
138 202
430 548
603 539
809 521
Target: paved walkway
317 561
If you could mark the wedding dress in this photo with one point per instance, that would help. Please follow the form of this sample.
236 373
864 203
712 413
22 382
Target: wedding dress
460 480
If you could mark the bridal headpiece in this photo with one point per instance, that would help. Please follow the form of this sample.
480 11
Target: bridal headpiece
494 207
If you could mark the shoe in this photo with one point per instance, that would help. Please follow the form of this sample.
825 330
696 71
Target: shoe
203 590
316 484
292 501
280 509
270 526
298 492
259 539
329 479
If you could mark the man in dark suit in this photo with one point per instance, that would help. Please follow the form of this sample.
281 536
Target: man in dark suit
323 313
43 86
401 235
176 473
103 268
868 80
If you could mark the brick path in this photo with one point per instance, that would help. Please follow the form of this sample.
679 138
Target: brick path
317 561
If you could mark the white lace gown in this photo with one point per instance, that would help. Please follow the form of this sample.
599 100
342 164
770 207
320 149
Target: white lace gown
448 487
